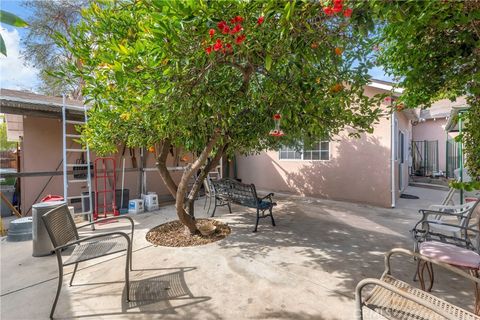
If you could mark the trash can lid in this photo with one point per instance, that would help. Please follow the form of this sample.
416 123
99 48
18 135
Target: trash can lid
49 204
22 220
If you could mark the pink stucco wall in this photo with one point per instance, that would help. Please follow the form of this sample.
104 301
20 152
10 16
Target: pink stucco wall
359 170
42 151
432 130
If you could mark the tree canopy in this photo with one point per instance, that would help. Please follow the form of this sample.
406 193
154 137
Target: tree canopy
209 76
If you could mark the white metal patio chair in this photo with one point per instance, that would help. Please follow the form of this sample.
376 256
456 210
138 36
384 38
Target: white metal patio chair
444 223
64 234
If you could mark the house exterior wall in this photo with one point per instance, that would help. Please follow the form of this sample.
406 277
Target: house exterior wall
358 169
431 130
42 151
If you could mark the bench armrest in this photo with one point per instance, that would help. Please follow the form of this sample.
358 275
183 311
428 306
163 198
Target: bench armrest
268 196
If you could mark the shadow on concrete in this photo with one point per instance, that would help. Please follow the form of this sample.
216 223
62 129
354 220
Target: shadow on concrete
347 241
157 295
147 294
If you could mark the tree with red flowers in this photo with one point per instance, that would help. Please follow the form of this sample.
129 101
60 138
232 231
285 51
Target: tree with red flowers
209 76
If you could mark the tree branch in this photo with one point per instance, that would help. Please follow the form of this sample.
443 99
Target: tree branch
162 168
189 171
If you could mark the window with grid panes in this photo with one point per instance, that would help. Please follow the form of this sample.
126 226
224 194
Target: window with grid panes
317 151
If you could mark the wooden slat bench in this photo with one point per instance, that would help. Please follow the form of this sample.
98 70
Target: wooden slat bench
231 191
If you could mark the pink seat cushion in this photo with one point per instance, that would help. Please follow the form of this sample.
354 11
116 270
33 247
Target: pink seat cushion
450 254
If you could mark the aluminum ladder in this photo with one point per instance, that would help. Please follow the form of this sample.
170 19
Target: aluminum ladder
68 176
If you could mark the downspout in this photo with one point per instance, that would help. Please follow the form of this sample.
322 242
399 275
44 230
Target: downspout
392 158
460 154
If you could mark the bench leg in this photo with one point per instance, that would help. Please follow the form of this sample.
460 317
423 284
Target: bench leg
209 204
229 207
214 208
258 219
271 216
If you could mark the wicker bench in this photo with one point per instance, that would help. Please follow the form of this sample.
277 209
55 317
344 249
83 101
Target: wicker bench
231 191
391 298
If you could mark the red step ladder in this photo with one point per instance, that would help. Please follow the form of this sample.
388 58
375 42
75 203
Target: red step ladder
104 187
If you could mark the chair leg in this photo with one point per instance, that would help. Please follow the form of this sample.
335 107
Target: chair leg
131 262
229 207
59 287
431 275
415 249
73 274
271 216
205 204
127 268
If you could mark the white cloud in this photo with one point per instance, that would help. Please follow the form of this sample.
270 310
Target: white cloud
14 73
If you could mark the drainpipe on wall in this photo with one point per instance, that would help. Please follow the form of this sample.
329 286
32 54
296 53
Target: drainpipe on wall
392 157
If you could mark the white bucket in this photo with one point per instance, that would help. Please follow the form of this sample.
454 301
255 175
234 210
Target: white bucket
135 206
150 201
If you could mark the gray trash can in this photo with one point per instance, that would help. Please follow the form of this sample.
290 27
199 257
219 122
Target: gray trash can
42 245
8 192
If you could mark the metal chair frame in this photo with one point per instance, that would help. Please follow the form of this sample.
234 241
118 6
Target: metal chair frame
401 301
423 230
64 234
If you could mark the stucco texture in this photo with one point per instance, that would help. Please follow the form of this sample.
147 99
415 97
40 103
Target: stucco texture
359 169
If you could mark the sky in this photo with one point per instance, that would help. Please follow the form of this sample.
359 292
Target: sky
16 74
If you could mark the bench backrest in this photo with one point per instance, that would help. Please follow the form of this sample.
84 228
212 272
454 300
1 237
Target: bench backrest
237 192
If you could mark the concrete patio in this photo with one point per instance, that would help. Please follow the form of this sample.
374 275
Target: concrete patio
304 268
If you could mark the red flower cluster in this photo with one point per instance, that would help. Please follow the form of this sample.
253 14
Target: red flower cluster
233 30
336 8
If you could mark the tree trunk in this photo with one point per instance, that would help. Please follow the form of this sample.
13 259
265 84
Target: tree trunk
182 214
203 174
162 168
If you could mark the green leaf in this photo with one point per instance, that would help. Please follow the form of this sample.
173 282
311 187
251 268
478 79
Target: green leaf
3 48
123 49
268 62
11 19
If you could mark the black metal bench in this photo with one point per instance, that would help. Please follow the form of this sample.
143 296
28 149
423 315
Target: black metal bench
231 191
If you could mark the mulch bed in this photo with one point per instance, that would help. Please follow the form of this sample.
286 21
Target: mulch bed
173 234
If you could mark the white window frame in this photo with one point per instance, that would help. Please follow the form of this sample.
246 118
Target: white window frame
302 152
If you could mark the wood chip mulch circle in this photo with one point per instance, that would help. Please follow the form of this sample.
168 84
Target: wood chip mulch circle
173 234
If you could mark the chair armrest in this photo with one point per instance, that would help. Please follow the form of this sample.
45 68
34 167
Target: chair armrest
402 293
111 218
427 213
96 236
458 207
419 256
106 219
